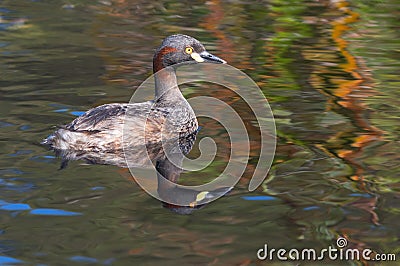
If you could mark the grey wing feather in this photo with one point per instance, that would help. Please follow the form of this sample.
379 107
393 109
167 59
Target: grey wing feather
101 117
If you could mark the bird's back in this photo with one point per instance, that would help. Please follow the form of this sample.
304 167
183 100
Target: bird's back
100 135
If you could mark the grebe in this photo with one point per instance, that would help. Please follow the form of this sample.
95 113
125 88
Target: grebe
97 136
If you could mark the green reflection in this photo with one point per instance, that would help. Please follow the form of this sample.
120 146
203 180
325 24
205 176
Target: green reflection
336 109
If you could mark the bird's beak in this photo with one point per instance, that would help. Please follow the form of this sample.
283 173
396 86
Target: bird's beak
207 58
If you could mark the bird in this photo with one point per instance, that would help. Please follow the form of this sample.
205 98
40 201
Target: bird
96 137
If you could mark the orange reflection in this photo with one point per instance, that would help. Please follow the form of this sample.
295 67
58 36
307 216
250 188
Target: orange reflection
351 93
212 23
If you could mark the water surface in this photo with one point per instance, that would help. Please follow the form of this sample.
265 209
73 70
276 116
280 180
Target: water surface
328 69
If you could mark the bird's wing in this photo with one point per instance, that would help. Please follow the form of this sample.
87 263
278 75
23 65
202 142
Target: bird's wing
108 115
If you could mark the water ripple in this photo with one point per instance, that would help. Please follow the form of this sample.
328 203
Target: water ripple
4 260
15 207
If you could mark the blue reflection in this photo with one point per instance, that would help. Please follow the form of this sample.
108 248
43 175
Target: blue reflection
20 152
109 261
5 124
25 127
77 113
7 206
363 195
11 171
64 110
378 227
61 110
97 188
5 25
258 198
57 105
15 207
4 10
54 212
11 184
83 259
43 158
310 208
4 260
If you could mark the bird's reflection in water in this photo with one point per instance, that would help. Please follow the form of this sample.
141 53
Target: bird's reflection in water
167 158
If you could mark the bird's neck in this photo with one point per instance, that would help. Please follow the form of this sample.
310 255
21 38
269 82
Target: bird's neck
167 86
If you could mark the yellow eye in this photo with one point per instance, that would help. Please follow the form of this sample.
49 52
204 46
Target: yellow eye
188 50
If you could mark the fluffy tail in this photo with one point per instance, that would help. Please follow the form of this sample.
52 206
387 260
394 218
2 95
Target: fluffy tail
52 142
49 141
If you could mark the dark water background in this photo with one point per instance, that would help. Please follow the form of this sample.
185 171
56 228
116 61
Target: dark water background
330 71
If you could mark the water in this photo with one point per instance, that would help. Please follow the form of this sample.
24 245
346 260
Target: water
328 69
